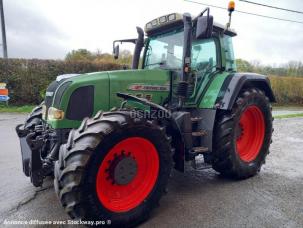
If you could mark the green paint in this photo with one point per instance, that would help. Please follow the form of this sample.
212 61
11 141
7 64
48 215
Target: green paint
207 99
100 81
210 97
121 80
107 84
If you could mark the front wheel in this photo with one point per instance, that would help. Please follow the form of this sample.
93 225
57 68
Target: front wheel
113 168
242 136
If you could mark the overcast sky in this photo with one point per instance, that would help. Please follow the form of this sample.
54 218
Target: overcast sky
51 28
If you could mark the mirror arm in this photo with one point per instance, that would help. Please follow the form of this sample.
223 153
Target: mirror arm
126 41
123 41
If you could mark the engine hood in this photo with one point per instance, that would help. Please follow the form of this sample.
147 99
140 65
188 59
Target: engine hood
80 96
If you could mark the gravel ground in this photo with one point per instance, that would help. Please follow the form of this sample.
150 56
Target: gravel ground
195 199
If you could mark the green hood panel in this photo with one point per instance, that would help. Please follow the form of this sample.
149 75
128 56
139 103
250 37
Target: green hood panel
142 83
145 83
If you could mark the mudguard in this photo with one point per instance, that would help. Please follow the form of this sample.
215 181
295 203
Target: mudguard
235 82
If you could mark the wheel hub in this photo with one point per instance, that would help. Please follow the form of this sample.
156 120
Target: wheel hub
123 169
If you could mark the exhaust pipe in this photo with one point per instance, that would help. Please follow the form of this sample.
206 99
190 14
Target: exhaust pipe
138 48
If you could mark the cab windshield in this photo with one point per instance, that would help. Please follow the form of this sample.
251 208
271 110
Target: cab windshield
165 51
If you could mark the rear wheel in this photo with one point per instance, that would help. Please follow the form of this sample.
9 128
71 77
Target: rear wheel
242 136
113 168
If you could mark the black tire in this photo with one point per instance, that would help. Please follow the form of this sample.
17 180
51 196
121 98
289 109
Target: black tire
227 160
79 161
34 118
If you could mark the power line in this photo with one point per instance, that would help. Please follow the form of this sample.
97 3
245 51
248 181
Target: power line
244 12
273 7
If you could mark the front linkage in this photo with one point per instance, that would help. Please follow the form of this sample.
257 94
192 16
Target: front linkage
39 147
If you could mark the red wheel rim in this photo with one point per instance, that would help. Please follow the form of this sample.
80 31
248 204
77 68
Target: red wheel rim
251 133
122 198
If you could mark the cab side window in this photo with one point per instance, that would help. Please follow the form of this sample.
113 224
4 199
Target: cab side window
204 55
229 54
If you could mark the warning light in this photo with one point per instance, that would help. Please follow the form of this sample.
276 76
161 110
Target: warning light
231 6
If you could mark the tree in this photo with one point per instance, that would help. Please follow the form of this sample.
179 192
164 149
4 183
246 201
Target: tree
244 65
79 55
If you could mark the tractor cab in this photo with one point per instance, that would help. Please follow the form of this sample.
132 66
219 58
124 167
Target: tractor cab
210 43
193 49
165 45
195 54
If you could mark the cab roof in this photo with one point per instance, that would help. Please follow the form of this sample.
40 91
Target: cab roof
176 19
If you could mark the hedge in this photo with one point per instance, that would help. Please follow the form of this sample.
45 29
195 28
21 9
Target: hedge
28 79
287 90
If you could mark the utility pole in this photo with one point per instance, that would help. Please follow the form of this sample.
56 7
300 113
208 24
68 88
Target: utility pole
3 32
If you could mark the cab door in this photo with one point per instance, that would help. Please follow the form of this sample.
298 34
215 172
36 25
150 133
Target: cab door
204 64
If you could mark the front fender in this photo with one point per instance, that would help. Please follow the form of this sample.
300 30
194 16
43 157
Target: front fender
235 82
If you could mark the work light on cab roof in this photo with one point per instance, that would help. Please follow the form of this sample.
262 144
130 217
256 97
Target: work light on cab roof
163 21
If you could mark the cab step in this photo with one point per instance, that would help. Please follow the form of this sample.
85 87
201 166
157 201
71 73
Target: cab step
199 133
196 119
199 149
199 164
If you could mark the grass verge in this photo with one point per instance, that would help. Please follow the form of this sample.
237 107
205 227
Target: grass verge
16 109
289 116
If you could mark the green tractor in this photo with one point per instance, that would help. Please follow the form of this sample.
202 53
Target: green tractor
111 138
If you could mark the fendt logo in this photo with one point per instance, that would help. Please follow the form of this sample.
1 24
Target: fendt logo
141 87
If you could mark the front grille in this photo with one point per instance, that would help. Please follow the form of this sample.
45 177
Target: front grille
81 103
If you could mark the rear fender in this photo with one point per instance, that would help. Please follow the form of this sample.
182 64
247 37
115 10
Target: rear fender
235 82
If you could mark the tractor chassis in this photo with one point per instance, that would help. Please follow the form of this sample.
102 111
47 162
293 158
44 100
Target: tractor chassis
40 146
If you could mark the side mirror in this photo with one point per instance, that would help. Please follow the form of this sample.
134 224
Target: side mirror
116 51
204 27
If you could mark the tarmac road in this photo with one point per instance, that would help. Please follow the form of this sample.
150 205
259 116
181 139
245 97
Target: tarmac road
274 198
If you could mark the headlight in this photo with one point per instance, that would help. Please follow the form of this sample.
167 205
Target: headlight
55 114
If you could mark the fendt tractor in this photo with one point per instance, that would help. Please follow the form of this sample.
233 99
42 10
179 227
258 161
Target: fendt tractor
111 139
